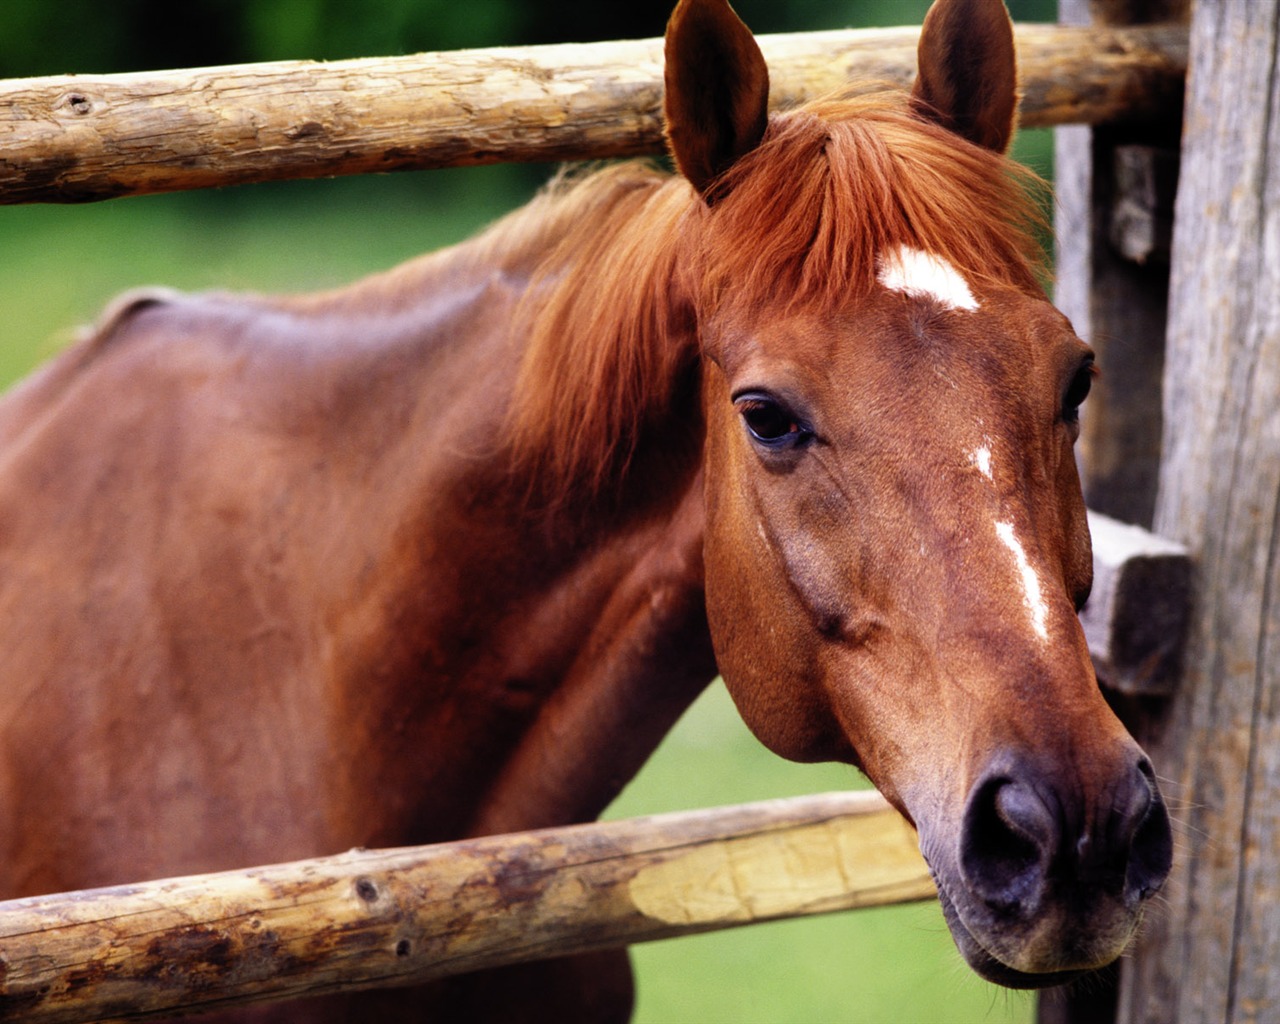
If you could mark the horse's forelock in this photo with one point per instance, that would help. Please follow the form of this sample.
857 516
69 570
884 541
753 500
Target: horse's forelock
835 184
626 254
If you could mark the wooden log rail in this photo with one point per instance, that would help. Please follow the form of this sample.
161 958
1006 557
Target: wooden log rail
84 137
369 919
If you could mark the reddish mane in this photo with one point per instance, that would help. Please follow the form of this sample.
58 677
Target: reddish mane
632 251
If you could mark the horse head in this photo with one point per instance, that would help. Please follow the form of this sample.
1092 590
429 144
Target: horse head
896 542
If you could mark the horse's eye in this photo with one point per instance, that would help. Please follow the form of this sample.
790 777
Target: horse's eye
770 423
1078 390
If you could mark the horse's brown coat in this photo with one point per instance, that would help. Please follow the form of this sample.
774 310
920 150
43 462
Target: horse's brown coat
446 552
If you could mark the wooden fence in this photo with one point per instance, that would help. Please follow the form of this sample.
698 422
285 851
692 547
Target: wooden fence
396 917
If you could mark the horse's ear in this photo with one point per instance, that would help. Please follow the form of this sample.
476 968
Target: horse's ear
717 90
968 75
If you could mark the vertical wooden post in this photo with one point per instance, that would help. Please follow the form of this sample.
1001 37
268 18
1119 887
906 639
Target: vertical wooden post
1211 953
1114 186
1115 196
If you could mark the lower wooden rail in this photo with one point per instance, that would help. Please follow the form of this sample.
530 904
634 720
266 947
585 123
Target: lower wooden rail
368 919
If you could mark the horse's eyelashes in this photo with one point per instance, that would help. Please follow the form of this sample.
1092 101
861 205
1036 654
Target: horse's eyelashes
771 423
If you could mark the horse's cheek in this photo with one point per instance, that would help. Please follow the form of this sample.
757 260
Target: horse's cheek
767 649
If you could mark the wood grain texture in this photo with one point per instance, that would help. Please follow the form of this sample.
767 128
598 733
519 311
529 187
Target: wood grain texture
370 919
1211 955
1117 304
84 137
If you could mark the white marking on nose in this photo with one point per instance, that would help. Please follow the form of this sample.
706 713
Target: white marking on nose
1031 592
925 276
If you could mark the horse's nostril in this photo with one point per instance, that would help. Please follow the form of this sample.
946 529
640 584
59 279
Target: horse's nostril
1022 841
1007 839
1151 845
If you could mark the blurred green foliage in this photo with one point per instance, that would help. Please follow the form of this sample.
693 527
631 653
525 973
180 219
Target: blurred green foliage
87 36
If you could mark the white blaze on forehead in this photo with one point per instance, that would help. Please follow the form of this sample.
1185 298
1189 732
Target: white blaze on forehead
1032 595
925 276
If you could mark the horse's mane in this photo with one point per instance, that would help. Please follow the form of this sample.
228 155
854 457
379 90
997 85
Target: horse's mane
609 331
631 252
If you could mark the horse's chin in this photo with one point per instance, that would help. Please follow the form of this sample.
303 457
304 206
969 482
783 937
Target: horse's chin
986 965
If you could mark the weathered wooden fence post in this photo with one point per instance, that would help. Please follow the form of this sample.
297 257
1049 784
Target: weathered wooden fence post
1211 953
1115 202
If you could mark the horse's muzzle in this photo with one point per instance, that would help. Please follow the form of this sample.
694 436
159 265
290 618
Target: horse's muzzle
1048 884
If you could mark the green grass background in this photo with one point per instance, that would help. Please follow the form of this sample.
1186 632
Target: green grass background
58 265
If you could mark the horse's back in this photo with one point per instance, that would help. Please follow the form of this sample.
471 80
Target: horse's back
110 684
183 498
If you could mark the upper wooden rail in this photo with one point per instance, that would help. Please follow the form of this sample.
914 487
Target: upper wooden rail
84 137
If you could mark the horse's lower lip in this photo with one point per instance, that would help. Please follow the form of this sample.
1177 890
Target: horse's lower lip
987 966
997 973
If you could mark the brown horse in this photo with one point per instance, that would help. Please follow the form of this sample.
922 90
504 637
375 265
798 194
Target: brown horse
446 552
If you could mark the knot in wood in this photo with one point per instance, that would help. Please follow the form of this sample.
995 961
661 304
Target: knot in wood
78 104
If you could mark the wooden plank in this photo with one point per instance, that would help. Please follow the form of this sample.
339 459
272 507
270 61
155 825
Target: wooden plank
1210 953
85 137
1135 621
370 919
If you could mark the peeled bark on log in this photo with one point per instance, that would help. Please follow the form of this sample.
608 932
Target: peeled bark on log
369 919
84 137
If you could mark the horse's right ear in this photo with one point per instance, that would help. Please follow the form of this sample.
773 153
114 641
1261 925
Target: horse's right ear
968 76
717 90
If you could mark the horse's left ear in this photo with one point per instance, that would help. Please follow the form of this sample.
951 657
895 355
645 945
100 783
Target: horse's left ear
717 90
968 76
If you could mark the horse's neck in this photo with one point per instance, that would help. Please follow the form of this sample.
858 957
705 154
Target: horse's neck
624 635
539 650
